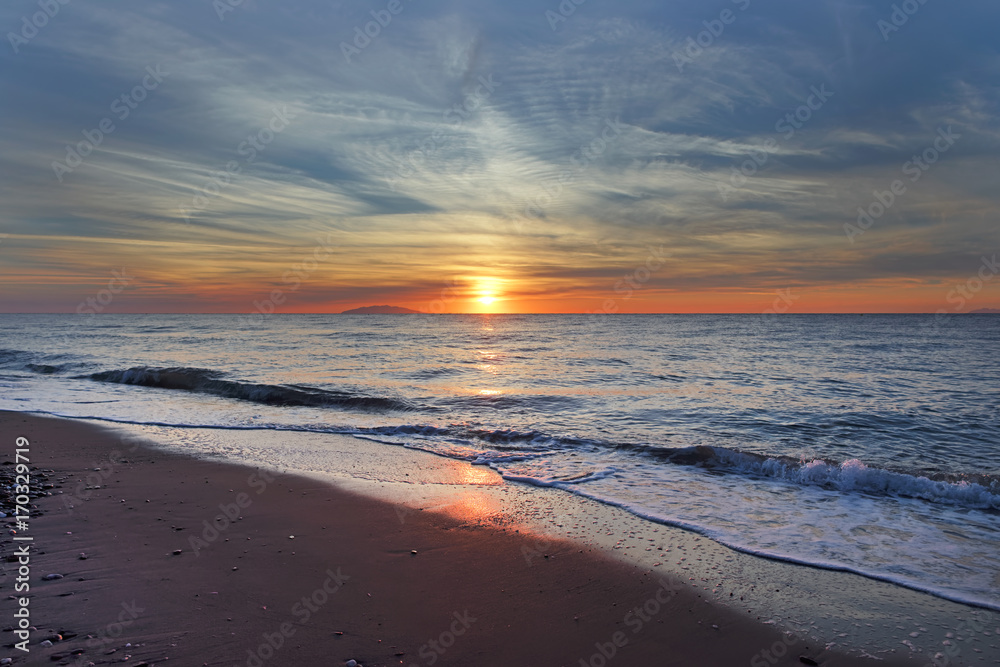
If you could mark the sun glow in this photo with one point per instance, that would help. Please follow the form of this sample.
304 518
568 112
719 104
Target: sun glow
487 299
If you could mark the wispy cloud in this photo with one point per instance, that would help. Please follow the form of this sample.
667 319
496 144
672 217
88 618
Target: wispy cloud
451 146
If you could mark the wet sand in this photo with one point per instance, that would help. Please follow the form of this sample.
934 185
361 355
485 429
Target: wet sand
304 573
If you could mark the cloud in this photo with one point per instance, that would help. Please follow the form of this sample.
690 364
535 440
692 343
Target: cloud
474 138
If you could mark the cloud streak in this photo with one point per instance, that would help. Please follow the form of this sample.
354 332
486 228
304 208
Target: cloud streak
470 142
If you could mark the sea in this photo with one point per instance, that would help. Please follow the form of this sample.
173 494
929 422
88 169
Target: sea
862 443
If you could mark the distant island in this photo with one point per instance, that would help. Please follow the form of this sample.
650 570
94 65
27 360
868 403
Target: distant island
381 310
987 311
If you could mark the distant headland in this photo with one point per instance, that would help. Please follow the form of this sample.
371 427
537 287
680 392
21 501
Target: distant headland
381 310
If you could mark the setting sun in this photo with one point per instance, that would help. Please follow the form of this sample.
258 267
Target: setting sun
487 299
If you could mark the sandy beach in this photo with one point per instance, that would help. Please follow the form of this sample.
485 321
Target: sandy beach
283 570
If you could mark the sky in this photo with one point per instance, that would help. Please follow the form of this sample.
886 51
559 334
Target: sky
486 156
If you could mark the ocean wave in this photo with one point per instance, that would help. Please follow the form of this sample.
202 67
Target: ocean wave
970 491
36 362
850 476
44 369
9 357
205 381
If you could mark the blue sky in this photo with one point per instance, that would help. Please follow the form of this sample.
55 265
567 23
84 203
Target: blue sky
513 149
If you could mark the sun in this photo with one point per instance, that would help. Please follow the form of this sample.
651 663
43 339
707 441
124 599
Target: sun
487 300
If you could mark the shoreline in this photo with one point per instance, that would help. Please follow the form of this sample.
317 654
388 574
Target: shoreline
295 560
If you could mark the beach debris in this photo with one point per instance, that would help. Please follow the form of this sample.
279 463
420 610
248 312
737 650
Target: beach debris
52 577
807 661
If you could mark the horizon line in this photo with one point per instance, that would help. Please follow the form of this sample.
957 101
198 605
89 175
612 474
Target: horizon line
971 312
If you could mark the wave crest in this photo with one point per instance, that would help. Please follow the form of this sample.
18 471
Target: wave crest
204 381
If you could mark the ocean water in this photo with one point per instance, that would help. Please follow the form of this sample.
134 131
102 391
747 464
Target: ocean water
860 443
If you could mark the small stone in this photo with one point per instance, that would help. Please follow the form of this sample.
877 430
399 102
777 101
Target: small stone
807 661
84 556
413 552
352 663
6 661
52 577
46 644
178 552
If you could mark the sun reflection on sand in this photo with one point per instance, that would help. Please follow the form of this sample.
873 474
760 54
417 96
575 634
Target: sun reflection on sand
470 504
480 476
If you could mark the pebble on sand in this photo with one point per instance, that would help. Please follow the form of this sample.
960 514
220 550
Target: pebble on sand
51 577
353 663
